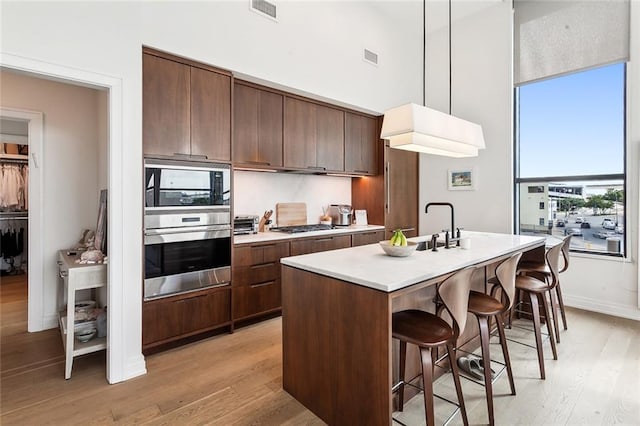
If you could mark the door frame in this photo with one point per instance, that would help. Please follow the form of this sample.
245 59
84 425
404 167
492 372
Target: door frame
35 317
117 362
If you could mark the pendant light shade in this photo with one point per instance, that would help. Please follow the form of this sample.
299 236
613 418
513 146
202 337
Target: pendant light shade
413 127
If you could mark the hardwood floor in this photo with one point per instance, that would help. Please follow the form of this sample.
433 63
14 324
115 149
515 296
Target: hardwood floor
236 379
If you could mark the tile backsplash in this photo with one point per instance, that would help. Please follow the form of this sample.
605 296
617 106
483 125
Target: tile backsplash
255 192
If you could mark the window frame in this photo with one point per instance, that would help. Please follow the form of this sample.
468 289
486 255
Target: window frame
517 180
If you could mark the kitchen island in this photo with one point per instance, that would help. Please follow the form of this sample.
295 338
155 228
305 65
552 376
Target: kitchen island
336 318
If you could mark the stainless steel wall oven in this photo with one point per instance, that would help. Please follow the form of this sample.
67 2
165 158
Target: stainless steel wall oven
187 227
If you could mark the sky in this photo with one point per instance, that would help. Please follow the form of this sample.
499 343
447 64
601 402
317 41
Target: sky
573 125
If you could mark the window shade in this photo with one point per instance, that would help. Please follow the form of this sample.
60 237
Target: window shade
559 37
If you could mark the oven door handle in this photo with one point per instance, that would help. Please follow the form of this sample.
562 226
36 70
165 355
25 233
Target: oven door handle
173 235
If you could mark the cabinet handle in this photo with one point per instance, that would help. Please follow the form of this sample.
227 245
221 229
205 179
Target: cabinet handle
258 162
201 156
361 171
266 283
323 239
388 187
263 265
316 168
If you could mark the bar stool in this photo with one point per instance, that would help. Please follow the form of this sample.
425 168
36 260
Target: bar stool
484 307
538 289
429 331
542 269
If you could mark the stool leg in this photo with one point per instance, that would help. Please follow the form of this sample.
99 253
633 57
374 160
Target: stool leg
483 324
548 320
456 381
561 303
535 311
427 379
505 353
555 308
403 359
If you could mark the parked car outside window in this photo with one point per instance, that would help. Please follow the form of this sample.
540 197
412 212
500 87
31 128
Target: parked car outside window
608 223
585 225
619 229
573 231
579 219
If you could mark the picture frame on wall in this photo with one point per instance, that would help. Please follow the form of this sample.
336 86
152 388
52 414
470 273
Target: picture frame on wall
462 179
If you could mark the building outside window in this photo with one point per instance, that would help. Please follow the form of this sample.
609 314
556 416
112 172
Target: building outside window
571 158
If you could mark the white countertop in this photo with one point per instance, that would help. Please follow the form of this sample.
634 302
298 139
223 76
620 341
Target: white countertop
275 235
371 267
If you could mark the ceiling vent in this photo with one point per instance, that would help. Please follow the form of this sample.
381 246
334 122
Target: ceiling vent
264 8
370 57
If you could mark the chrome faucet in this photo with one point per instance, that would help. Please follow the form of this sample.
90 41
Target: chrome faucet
446 235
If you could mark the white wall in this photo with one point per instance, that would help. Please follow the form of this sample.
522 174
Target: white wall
256 192
315 47
69 162
482 92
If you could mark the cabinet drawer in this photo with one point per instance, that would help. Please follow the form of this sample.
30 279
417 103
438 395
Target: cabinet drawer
175 317
254 274
314 245
363 238
256 299
258 254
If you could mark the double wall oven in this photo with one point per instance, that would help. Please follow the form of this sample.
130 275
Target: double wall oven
187 226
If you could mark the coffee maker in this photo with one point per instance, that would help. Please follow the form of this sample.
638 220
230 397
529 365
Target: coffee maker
340 214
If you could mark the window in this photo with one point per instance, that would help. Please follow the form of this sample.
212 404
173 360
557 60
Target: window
570 156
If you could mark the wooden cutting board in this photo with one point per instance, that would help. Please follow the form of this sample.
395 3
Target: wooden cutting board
290 214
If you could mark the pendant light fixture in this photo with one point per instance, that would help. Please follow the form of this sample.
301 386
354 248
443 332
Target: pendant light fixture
414 127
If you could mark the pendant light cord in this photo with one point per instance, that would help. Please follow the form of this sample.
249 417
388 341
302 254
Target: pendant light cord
450 72
424 51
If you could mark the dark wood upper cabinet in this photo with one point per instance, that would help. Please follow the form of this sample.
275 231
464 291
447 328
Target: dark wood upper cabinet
166 98
313 136
186 109
360 144
390 197
257 126
210 114
329 138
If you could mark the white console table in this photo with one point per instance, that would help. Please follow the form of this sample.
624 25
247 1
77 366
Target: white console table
74 277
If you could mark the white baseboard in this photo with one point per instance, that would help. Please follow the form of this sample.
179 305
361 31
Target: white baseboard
50 321
614 309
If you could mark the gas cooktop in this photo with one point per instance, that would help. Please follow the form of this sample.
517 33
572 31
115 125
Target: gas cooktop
302 228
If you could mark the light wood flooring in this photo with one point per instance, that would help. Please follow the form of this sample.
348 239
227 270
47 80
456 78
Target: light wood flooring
236 379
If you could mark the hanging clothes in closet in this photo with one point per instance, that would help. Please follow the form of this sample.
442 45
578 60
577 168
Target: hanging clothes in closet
12 237
14 187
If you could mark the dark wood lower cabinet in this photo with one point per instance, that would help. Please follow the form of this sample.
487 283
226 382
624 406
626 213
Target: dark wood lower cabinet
256 299
364 238
171 318
314 245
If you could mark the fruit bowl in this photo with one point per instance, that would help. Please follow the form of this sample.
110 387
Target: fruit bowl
398 251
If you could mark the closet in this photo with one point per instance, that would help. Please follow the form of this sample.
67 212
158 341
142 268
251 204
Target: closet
14 203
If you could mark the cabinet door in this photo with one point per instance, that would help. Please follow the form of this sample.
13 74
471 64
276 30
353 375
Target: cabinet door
256 299
360 150
299 134
210 114
364 238
206 311
329 139
161 320
401 186
257 127
166 102
314 245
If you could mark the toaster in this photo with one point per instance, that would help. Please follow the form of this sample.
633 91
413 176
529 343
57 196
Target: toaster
245 224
